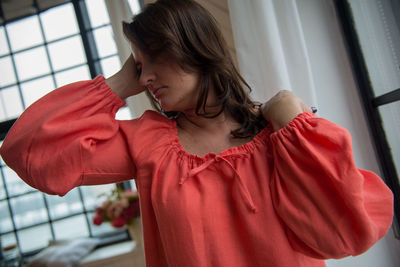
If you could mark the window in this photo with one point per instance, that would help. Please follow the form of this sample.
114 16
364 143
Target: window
372 33
38 53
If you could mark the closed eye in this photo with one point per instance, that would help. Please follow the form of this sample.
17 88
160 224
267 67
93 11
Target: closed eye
138 69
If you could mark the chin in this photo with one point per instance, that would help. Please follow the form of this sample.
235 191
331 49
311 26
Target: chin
165 107
177 106
169 107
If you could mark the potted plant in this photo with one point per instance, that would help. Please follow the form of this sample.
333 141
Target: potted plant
121 209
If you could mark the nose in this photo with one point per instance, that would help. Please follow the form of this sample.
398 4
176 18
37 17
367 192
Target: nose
147 77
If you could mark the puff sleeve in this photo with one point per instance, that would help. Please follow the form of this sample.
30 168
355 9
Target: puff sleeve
70 138
330 208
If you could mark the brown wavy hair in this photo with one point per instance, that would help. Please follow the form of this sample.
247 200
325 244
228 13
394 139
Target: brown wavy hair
183 31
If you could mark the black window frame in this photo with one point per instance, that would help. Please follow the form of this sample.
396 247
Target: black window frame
371 103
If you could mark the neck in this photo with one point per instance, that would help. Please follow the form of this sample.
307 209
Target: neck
189 121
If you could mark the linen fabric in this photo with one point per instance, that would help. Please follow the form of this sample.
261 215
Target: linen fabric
288 198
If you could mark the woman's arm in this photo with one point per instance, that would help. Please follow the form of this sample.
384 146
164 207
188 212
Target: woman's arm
331 209
70 137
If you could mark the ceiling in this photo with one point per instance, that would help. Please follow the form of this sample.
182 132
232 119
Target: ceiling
14 9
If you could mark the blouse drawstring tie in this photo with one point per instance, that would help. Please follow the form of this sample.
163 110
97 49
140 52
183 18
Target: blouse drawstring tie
245 194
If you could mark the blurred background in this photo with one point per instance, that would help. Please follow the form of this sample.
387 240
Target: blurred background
44 45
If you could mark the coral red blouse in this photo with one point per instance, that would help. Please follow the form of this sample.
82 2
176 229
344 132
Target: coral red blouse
287 198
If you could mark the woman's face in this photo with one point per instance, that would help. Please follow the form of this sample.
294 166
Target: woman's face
175 89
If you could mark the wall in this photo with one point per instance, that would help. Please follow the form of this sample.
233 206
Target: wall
219 9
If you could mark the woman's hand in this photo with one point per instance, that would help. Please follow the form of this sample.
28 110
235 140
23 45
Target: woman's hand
283 108
125 82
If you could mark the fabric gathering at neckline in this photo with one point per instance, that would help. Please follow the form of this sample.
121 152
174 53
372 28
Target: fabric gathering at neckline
236 151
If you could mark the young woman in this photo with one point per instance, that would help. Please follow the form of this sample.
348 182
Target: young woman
222 181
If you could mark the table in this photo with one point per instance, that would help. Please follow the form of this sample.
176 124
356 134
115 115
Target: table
124 254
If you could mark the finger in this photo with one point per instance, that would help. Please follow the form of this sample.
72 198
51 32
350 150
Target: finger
265 109
305 108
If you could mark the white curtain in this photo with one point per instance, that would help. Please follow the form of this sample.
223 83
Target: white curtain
270 48
297 45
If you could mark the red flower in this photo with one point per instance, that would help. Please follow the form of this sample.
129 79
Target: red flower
97 220
120 208
118 222
99 210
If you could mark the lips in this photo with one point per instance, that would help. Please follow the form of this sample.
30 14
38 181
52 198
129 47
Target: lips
155 91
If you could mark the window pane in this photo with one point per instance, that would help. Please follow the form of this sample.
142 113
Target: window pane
123 113
8 240
133 185
105 41
134 6
64 206
98 14
34 238
92 195
12 102
110 66
67 53
3 42
24 33
33 90
59 22
380 42
28 209
71 228
5 218
15 185
2 189
391 123
73 75
32 63
7 72
3 115
1 158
